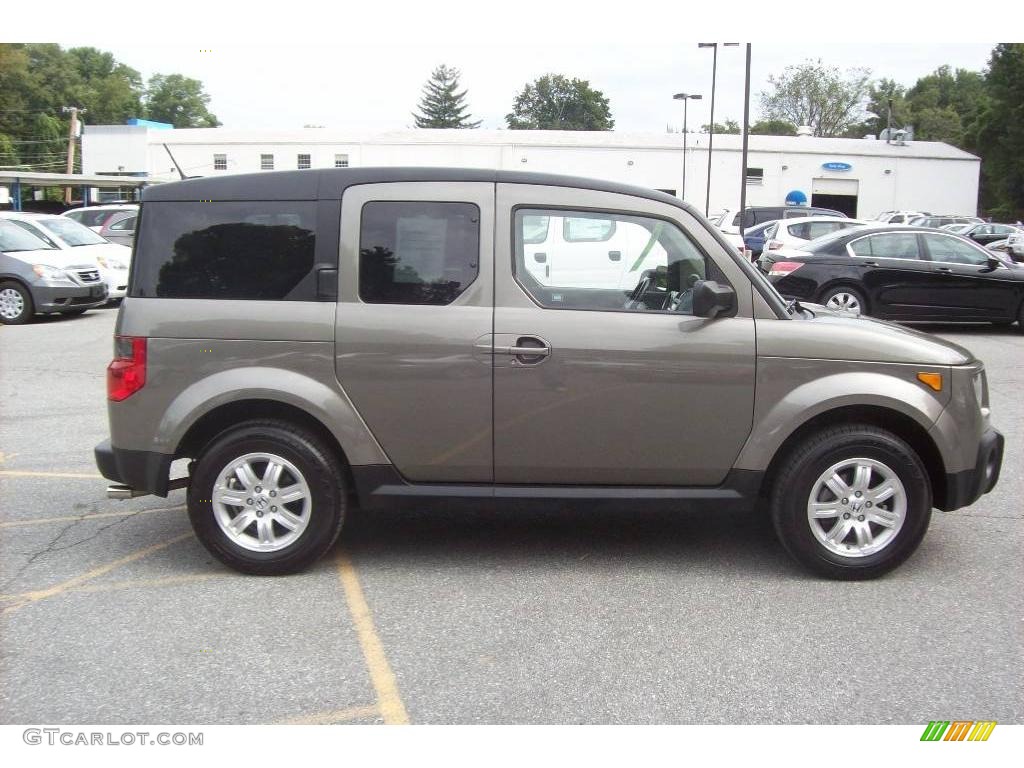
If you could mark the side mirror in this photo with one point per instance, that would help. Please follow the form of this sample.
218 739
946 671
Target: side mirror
711 299
994 262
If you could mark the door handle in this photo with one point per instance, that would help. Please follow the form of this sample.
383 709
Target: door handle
944 270
523 351
528 350
540 258
615 255
871 263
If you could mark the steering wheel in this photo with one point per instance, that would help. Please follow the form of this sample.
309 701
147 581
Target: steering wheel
683 301
647 279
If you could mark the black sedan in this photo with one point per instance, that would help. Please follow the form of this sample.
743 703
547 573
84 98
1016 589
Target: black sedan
901 273
989 233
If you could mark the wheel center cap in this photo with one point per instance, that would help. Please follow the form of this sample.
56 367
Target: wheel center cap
260 501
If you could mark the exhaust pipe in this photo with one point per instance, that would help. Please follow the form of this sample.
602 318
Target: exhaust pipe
122 492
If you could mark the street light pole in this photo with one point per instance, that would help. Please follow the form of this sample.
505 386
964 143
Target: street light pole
711 126
746 136
685 97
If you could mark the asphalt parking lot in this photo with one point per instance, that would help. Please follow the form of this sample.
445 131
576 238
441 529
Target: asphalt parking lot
113 613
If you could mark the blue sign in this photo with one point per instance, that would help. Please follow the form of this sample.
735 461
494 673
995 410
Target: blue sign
796 197
837 166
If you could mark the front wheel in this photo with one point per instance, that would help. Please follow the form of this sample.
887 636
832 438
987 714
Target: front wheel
844 298
267 498
851 502
15 304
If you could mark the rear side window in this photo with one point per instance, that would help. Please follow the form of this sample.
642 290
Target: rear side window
124 225
236 250
90 218
417 252
897 245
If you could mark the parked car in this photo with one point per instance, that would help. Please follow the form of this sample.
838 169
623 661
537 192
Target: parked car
1015 245
794 233
315 339
753 240
729 221
935 222
957 229
903 273
64 233
120 228
900 217
37 277
95 217
989 233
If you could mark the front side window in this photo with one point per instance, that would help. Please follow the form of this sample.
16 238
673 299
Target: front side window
642 264
417 252
124 225
952 250
896 245
237 250
304 161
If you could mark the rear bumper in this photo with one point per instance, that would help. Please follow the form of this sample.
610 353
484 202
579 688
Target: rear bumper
143 471
965 488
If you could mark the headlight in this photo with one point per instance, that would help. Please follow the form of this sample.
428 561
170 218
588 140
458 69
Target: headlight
51 274
109 263
979 388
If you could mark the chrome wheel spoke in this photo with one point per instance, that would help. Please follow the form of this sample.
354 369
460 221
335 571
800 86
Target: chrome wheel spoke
265 530
839 531
242 521
230 497
882 492
824 509
862 477
245 475
883 517
288 520
272 474
291 493
838 486
863 533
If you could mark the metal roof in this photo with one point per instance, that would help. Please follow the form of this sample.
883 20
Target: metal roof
32 179
590 139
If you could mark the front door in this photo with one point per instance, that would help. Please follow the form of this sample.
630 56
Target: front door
602 374
967 287
897 275
415 305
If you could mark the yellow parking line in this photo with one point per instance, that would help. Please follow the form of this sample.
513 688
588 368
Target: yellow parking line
94 516
26 473
337 716
42 594
165 581
388 700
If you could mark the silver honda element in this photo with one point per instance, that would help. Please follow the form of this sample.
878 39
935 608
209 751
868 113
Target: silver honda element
314 340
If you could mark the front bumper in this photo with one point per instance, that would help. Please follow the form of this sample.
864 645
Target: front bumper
142 471
59 298
965 488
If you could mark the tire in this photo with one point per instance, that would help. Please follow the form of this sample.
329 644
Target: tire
844 297
867 549
276 538
16 307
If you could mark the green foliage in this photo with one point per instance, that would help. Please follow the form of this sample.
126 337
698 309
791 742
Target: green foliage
442 104
999 132
178 100
773 128
817 95
730 126
553 102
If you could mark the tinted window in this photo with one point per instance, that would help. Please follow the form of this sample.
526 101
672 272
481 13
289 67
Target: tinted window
795 213
952 250
646 265
90 218
895 245
818 228
417 252
127 224
250 250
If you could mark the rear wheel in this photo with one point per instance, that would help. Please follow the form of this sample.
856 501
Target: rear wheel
844 298
851 502
267 498
16 306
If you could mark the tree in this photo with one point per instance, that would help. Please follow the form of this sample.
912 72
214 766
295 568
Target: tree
818 96
553 102
730 126
1000 132
772 128
109 91
442 104
178 100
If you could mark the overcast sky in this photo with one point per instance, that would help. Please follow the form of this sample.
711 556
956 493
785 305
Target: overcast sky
376 88
361 66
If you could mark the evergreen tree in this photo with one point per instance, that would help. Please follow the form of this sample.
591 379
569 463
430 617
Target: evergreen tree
442 104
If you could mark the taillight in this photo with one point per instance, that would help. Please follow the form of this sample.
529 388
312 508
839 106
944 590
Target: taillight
126 374
783 268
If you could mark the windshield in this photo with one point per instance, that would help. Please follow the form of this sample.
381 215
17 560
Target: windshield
14 239
71 232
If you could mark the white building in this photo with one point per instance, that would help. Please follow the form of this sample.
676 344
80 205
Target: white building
859 176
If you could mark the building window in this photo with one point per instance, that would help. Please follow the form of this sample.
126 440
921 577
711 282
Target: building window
755 177
341 161
266 162
220 162
304 162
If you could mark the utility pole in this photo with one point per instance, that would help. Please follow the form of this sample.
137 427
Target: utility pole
685 98
72 134
711 127
746 137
